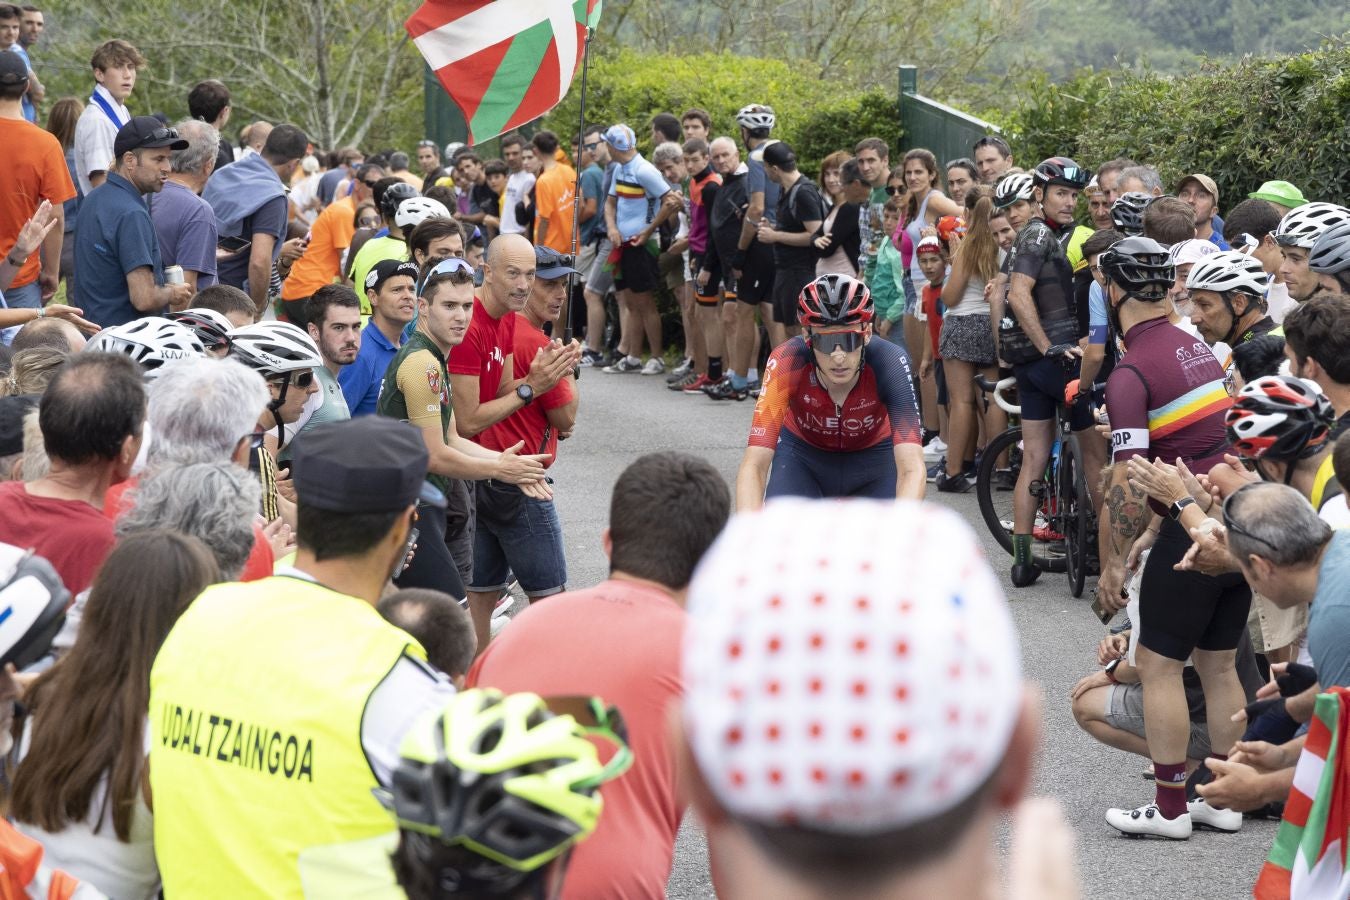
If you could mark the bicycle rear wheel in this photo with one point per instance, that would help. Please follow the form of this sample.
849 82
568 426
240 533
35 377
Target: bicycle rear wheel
996 507
1075 507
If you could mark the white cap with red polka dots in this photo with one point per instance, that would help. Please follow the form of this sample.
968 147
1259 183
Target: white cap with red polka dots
850 666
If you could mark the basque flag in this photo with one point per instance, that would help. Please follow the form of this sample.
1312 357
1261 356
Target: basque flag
503 62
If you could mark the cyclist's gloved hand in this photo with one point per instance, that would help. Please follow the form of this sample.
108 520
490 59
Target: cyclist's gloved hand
1257 707
1296 679
1073 392
1062 352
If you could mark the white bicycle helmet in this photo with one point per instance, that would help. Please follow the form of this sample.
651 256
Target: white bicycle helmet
150 342
755 116
1331 254
1229 270
1012 188
211 327
35 600
1301 227
274 348
416 210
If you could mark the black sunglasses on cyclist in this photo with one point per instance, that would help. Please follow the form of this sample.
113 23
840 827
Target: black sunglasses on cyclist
302 381
848 341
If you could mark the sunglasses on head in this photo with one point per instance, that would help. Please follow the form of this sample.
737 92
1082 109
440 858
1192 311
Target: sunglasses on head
848 341
1234 526
450 265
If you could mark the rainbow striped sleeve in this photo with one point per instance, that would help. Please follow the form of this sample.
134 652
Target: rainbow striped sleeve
1190 407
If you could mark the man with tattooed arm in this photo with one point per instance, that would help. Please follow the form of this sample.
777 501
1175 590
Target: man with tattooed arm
1167 402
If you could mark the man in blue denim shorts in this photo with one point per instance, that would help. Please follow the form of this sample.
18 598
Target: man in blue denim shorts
514 532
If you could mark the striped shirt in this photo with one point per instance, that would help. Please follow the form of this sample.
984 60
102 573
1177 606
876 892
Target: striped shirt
637 191
1166 398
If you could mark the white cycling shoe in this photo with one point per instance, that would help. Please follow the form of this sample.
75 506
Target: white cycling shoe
1148 821
1205 816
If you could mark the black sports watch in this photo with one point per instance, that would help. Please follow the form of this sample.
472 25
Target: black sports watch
1174 511
1111 667
525 393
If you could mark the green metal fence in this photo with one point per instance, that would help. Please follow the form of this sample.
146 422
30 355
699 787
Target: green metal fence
925 122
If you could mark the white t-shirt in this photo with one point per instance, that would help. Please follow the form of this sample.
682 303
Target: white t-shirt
95 133
517 189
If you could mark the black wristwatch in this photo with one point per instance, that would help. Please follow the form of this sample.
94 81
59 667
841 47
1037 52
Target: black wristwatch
1174 511
1111 667
525 393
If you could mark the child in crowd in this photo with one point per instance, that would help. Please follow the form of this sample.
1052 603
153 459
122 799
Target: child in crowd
887 291
933 262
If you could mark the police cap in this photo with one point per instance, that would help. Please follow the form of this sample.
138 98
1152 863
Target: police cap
370 464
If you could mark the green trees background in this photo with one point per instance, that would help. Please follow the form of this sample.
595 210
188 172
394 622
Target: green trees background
1242 90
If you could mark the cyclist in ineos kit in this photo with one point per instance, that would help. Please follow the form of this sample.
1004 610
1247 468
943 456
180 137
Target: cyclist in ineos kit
852 423
1167 402
1039 335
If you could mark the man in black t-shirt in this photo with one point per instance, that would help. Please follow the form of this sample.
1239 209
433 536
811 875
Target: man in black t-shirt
800 214
1039 335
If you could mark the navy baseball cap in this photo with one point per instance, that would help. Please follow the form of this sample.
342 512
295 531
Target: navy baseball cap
145 133
12 68
550 264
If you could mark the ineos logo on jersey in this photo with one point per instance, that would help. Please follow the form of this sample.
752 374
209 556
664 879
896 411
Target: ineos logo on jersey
832 424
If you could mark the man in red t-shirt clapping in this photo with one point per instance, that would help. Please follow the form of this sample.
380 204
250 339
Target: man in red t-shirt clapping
488 387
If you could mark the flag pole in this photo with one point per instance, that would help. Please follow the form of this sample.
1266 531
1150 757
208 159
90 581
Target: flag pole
576 192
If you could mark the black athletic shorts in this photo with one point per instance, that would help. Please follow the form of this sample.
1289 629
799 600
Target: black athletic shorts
638 270
756 282
787 287
1184 611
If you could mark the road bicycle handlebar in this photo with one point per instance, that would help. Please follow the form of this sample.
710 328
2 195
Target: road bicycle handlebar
997 390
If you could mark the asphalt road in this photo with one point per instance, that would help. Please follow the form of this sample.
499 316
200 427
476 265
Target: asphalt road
624 416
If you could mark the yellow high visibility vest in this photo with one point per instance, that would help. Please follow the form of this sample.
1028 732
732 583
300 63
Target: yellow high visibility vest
260 783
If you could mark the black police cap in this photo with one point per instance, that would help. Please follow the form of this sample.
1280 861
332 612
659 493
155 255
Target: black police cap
371 464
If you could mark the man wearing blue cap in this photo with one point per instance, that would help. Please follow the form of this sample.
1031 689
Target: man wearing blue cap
116 248
639 201
278 706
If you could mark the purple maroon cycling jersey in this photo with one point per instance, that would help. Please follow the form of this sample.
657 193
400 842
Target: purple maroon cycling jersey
880 406
1166 398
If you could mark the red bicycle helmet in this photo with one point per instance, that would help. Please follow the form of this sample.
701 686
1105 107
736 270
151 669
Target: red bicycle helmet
834 300
1280 417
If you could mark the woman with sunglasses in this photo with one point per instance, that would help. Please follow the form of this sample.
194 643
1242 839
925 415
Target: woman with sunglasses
836 416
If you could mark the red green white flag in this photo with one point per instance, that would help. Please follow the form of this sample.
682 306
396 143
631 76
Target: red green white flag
503 62
1308 858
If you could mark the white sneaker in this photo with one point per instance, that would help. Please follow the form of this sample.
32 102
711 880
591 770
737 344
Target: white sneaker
936 450
1205 816
654 366
1148 821
684 368
623 366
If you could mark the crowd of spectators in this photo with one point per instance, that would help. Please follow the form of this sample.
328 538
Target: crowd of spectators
286 446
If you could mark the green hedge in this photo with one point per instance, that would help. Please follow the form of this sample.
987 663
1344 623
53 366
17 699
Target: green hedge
1258 119
628 86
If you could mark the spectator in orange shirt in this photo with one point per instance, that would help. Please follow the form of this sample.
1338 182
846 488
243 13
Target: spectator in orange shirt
330 234
554 192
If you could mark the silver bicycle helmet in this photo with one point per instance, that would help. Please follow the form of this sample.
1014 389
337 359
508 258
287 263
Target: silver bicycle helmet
150 342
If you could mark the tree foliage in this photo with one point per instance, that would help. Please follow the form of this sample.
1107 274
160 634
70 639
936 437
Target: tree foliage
343 70
1242 123
858 43
628 86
